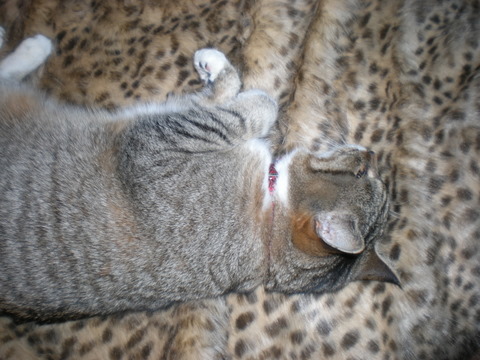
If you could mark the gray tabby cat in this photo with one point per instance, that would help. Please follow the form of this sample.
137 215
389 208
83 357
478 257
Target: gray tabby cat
102 212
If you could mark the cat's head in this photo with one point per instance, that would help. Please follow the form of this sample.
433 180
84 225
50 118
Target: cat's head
337 207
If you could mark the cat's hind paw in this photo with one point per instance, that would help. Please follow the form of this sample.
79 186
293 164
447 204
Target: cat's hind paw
209 63
29 55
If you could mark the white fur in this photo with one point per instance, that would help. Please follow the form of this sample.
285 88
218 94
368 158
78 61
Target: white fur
282 166
29 55
209 63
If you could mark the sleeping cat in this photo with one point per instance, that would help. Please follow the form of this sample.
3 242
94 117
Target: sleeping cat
102 212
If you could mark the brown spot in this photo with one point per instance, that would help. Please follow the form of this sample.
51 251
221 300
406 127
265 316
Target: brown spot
373 347
419 297
364 20
293 40
297 337
244 320
379 288
359 132
182 60
350 303
328 350
102 97
33 339
116 353
464 194
71 44
277 83
376 136
86 348
240 348
59 37
457 115
182 75
350 339
371 324
386 305
471 215
395 252
50 336
392 345
359 105
476 271
67 347
106 336
276 327
68 61
323 328
251 298
146 350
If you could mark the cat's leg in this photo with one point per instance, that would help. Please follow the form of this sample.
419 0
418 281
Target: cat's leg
258 110
221 79
254 112
29 55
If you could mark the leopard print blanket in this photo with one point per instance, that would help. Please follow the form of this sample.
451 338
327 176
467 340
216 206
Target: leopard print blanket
401 77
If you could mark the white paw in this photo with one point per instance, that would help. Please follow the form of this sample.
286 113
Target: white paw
2 36
34 49
30 54
209 63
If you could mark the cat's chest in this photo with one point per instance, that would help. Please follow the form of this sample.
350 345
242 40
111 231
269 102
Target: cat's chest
257 155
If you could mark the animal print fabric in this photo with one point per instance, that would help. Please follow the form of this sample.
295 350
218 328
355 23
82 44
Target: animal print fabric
400 76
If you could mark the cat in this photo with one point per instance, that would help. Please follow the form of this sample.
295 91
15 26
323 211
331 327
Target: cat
134 210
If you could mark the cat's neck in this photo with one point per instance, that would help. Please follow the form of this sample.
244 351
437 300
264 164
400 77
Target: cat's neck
278 179
277 229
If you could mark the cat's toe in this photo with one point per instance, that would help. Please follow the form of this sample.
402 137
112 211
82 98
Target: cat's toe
209 63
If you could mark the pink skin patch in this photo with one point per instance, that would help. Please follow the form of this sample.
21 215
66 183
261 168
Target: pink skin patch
272 178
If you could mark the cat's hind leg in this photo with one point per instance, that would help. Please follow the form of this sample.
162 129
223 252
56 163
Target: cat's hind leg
221 79
28 56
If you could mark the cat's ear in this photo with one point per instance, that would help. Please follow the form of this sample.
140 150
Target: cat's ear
323 234
371 267
340 231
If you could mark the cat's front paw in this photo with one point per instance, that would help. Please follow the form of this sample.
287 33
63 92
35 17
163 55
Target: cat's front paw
29 55
209 63
34 49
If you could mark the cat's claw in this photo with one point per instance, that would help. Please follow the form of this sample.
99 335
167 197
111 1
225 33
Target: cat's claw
209 63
